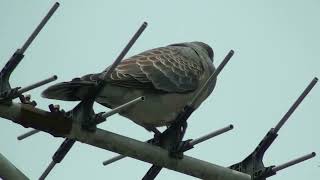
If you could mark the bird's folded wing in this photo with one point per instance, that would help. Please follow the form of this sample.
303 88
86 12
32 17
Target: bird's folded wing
166 69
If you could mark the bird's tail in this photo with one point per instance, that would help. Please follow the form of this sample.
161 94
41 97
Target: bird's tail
74 90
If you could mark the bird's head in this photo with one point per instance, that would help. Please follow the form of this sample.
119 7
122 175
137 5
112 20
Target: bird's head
198 47
206 48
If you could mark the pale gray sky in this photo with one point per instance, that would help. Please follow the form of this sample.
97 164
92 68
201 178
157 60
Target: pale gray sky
276 46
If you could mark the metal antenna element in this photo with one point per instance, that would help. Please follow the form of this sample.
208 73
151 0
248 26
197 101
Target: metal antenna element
122 107
174 134
86 106
170 139
39 27
110 70
190 146
294 162
27 134
58 156
47 171
6 92
37 84
126 49
253 164
212 77
295 104
114 159
30 87
178 128
211 135
68 143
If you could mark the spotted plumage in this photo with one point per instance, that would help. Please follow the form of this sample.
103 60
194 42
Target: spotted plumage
167 76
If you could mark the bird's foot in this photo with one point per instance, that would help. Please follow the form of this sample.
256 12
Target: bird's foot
27 100
98 118
84 115
56 109
176 151
89 123
156 137
90 126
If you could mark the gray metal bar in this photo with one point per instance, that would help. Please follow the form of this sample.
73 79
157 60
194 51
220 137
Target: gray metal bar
9 171
192 143
122 107
294 162
37 84
117 143
126 49
212 77
295 104
27 134
155 155
47 171
211 135
39 27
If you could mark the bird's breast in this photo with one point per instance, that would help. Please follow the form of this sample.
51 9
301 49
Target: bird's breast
158 109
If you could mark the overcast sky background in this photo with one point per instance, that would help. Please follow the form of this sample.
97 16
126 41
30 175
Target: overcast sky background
276 46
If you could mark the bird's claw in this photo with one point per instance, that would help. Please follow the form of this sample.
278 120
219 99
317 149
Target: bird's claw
156 139
27 100
89 125
89 120
177 150
97 118
56 109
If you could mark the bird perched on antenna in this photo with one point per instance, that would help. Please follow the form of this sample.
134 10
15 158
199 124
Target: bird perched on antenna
168 77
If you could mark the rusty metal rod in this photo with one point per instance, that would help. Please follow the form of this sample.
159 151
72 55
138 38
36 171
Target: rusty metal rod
104 115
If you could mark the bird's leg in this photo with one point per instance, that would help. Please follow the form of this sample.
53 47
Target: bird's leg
171 138
153 129
174 135
156 136
88 122
84 114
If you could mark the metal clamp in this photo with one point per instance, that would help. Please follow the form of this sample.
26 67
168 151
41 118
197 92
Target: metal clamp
6 92
253 164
